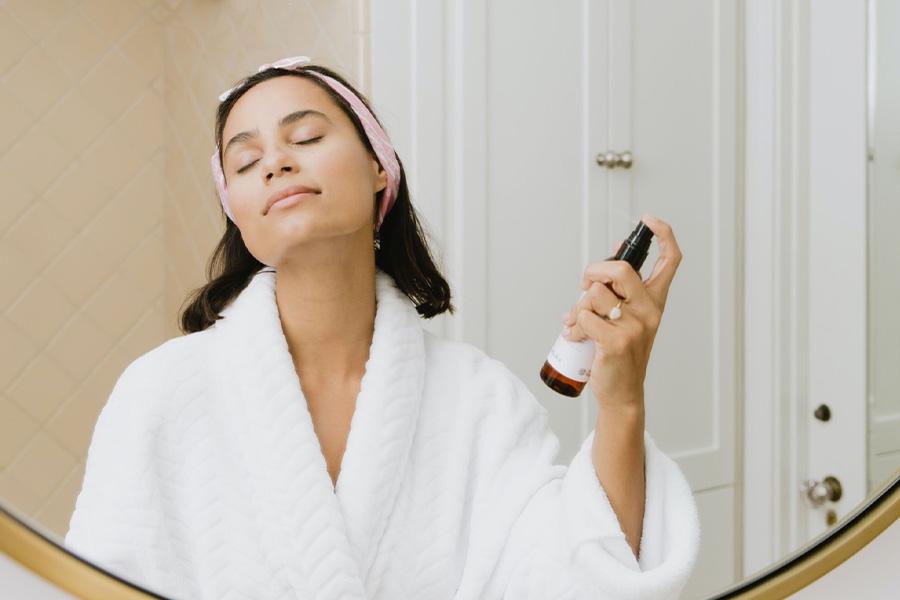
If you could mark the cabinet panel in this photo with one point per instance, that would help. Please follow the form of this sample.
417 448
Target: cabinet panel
682 128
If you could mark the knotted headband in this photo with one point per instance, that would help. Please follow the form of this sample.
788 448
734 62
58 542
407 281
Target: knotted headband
384 150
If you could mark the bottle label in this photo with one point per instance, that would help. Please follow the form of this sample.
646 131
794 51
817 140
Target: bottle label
572 359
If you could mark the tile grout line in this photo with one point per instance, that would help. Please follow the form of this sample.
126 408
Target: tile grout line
63 97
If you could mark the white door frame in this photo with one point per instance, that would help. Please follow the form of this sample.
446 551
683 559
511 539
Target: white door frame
415 101
805 267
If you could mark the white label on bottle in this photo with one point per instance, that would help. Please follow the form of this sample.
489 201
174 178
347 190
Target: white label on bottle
572 359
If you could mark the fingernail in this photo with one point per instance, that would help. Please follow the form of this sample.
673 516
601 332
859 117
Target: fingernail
567 331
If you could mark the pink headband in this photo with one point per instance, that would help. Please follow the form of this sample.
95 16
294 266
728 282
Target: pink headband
377 137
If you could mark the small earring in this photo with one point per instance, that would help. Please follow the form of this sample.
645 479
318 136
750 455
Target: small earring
377 242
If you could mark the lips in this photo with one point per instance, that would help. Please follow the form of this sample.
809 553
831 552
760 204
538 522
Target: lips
288 191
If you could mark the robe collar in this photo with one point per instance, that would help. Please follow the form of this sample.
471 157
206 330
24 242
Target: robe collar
302 511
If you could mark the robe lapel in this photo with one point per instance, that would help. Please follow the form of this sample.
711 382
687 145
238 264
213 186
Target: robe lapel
316 529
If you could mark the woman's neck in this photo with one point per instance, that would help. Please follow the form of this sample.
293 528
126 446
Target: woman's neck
328 319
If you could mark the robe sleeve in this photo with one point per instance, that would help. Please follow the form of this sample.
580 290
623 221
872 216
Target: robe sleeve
116 524
551 527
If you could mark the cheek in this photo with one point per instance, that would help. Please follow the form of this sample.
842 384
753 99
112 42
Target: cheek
339 166
341 170
243 197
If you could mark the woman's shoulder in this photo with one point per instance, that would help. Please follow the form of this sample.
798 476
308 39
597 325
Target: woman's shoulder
464 355
486 381
457 356
174 350
159 371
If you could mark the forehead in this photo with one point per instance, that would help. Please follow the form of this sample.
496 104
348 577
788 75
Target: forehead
266 102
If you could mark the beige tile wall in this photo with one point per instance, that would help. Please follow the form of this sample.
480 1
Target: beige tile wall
109 212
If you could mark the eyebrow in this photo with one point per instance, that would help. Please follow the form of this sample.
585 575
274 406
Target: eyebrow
293 117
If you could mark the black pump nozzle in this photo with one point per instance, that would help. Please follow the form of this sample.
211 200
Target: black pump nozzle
634 250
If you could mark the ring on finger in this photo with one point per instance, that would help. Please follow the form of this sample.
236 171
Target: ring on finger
616 312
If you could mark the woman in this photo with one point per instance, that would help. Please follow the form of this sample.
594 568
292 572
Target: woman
308 438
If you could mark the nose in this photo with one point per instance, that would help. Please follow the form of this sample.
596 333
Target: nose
279 162
283 169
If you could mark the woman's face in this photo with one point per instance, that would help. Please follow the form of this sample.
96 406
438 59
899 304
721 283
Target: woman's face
319 151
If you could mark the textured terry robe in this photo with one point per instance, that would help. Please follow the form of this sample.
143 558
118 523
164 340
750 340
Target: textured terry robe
205 478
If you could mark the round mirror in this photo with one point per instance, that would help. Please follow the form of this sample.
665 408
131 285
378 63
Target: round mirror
151 446
37 554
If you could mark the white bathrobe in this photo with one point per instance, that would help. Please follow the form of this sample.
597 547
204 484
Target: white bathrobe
205 478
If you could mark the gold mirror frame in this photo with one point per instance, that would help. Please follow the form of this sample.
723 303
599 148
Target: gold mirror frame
54 563
825 552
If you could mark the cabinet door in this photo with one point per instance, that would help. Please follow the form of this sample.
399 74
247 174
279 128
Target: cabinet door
547 210
673 89
673 99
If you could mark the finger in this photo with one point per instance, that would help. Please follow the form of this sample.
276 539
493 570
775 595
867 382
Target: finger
598 299
616 247
590 325
625 281
670 256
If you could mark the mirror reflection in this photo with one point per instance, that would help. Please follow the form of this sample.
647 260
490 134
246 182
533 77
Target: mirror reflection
884 252
289 302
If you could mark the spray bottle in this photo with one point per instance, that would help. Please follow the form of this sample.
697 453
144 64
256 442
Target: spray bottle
568 366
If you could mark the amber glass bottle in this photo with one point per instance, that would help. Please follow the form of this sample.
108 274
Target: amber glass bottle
568 366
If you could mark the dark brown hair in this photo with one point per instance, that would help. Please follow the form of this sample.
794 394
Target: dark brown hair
404 252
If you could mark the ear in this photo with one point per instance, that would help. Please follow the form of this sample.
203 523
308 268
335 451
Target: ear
380 176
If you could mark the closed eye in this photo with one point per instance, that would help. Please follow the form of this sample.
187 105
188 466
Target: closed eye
310 141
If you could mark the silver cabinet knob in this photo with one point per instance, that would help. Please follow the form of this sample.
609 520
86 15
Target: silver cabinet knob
820 492
611 160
